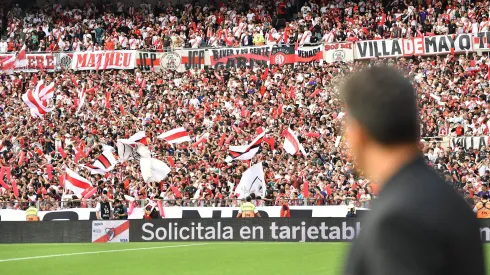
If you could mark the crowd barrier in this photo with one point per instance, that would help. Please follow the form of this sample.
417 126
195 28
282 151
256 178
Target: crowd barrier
196 59
77 214
161 230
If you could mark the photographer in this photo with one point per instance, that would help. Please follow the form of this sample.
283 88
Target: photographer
120 211
351 213
103 208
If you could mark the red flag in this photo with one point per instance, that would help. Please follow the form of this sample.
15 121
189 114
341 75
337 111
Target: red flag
49 171
2 183
160 109
259 130
34 79
160 208
171 161
292 93
313 135
121 109
279 110
194 27
89 192
305 189
74 81
15 188
202 140
265 74
176 192
108 100
262 90
270 141
452 51
228 140
22 157
8 171
62 152
77 156
222 140
61 179
236 129
317 91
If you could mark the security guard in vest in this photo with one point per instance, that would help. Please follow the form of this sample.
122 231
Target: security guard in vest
248 210
483 208
31 213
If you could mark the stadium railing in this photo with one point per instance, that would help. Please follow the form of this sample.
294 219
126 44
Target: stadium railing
76 203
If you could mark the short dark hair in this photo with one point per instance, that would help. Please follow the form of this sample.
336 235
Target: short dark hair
384 102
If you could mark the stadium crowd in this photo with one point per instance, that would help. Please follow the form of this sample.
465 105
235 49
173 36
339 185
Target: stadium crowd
452 92
115 25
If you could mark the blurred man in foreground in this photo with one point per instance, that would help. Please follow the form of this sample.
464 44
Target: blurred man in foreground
419 225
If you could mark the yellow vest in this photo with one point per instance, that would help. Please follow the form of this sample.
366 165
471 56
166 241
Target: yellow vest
248 210
31 211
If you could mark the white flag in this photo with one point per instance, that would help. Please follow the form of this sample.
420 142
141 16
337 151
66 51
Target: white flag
153 170
252 181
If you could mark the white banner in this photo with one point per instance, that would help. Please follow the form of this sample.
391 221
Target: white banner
101 60
75 214
179 60
427 45
469 142
338 52
110 231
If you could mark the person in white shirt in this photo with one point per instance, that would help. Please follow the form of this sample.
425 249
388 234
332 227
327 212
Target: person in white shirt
3 46
305 10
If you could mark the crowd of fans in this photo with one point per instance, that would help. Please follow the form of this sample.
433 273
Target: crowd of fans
452 90
97 25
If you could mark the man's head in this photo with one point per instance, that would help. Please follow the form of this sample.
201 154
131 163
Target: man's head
382 111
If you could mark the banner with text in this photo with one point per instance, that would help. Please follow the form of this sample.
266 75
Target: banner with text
179 60
240 57
308 54
469 142
338 52
428 45
47 62
103 60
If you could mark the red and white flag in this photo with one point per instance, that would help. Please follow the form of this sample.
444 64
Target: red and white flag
177 135
291 143
36 99
103 164
21 60
246 152
75 182
8 65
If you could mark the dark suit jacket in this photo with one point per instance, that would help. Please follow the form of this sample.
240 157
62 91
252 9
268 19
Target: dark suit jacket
418 226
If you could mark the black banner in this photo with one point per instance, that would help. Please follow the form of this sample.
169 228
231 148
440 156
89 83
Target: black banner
161 230
283 55
240 57
259 229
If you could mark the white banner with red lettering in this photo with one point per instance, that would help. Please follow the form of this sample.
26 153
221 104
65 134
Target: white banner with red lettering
102 60
338 52
47 62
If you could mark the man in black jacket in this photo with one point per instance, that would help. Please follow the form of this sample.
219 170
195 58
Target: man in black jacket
419 225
